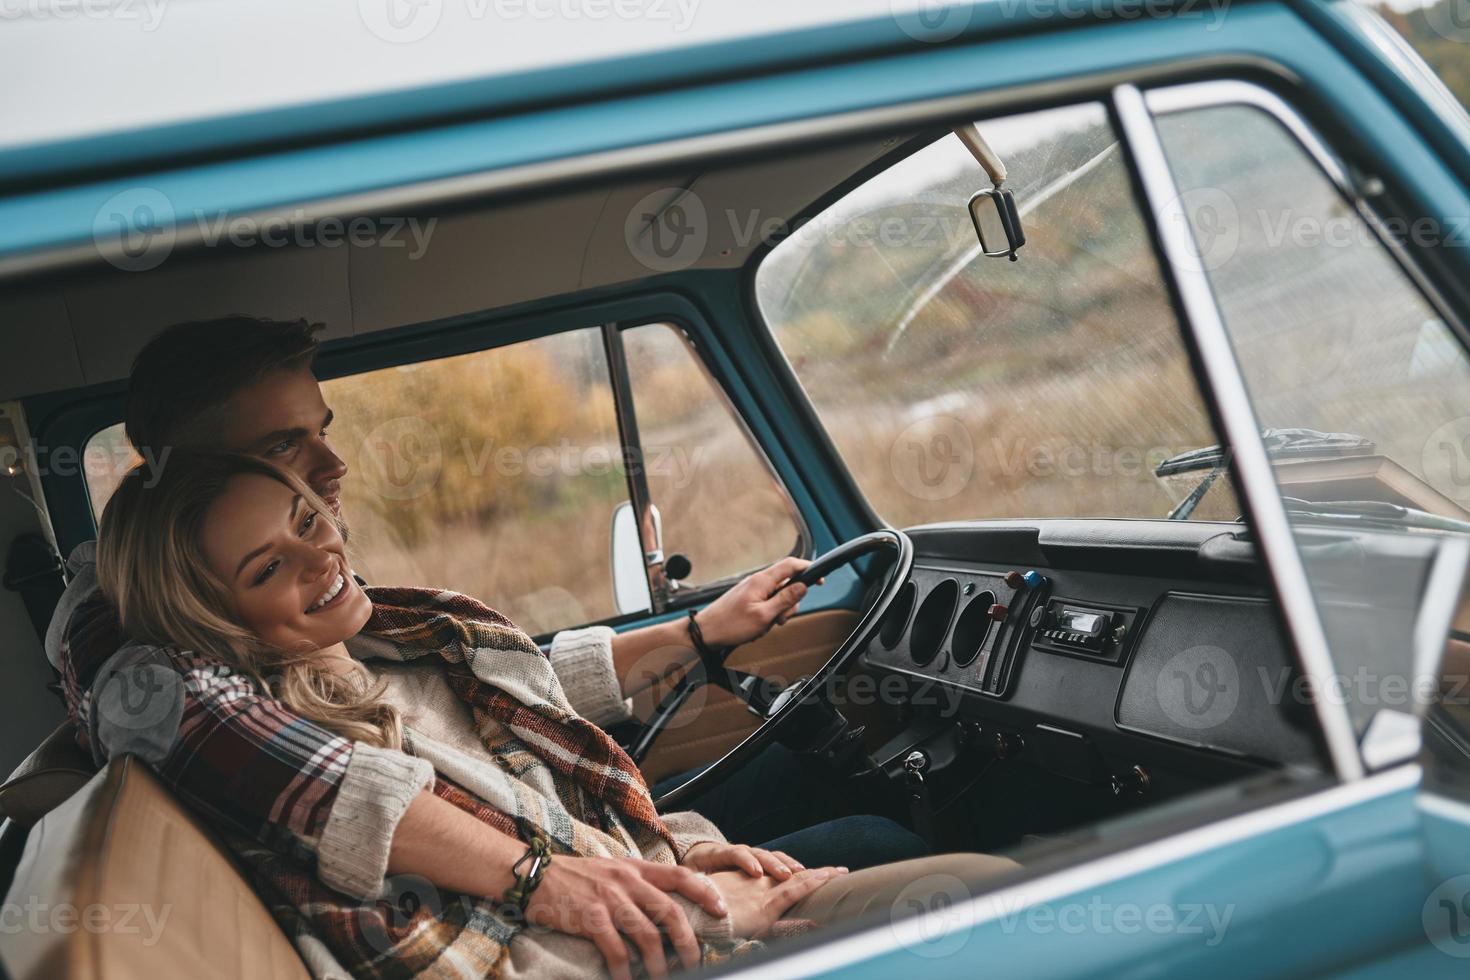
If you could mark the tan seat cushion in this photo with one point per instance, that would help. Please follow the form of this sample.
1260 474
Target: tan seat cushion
48 776
120 881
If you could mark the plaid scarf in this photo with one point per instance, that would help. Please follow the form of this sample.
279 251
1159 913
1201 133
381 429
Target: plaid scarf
416 929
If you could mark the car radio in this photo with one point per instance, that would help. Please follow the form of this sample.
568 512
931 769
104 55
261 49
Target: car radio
1085 630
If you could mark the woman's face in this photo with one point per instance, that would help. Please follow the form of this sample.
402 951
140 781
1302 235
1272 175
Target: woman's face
284 564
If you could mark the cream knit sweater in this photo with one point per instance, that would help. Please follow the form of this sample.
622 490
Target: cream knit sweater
440 738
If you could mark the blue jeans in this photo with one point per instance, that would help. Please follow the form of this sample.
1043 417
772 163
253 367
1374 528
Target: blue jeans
781 802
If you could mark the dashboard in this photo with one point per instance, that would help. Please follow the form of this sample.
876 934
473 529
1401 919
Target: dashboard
1145 652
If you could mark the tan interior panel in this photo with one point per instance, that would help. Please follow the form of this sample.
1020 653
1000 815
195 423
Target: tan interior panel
124 853
712 721
40 353
114 314
476 261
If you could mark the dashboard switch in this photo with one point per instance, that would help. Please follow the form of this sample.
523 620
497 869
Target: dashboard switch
998 612
1007 745
1135 781
1029 579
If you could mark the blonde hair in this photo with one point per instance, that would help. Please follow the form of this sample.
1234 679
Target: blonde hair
150 564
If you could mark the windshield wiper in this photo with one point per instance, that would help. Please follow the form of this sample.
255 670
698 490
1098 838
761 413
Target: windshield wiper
1290 443
1370 513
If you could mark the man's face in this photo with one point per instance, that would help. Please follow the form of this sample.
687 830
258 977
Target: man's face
283 419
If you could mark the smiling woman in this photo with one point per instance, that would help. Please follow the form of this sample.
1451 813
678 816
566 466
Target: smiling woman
266 581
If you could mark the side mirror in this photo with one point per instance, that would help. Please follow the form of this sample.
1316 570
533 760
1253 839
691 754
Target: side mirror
629 564
997 222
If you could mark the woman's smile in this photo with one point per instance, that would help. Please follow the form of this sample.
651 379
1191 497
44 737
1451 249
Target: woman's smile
329 598
285 565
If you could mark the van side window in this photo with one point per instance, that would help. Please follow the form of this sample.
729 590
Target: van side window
496 473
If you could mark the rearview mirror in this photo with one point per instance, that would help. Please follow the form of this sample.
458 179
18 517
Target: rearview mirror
997 222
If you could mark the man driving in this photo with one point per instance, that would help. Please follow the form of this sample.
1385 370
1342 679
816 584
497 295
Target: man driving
246 385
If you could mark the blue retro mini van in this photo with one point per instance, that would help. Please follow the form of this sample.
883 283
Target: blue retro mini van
1110 359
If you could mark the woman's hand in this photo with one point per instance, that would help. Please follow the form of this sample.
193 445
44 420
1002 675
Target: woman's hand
758 602
754 861
756 904
608 899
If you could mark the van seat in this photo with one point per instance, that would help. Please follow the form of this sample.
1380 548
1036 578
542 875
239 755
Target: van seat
122 853
45 778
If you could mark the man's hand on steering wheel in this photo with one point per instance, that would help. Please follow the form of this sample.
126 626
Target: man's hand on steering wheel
749 610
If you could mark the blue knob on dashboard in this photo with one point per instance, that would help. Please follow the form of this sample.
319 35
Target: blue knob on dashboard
1033 579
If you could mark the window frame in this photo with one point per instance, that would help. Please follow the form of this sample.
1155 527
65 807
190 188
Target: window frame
1351 753
664 600
1288 584
82 421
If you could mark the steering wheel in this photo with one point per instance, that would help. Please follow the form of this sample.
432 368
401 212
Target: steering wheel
779 711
